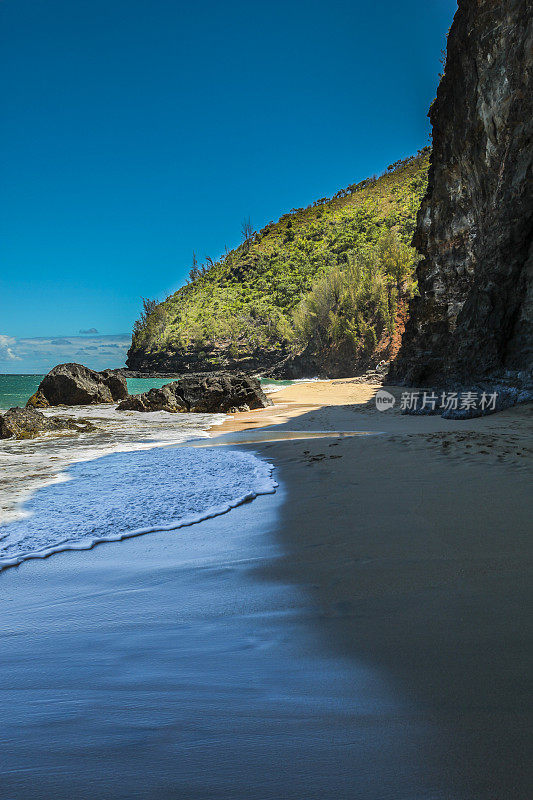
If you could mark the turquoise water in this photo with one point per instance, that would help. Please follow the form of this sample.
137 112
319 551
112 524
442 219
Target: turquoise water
140 385
114 461
16 389
270 383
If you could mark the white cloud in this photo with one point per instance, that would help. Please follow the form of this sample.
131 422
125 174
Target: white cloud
39 355
6 348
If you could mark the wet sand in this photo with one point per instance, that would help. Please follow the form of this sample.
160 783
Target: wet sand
364 633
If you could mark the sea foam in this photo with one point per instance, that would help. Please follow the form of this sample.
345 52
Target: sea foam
131 493
27 465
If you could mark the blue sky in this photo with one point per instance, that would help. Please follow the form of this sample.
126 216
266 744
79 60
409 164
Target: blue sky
135 132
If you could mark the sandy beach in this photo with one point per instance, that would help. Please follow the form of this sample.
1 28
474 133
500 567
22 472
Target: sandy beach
363 633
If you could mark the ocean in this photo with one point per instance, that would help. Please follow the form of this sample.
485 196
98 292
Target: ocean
15 389
132 474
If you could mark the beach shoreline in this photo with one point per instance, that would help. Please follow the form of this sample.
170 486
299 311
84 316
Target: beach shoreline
364 632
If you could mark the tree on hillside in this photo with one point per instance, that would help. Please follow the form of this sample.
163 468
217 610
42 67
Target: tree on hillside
149 307
397 259
247 232
195 272
347 309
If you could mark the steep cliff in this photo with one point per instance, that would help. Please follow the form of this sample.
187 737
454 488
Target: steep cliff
474 316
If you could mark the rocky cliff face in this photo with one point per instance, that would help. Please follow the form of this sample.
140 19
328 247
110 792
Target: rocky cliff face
203 358
474 316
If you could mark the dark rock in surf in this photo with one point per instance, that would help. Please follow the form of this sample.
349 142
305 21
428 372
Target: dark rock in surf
27 423
220 392
163 399
76 385
115 382
212 393
38 400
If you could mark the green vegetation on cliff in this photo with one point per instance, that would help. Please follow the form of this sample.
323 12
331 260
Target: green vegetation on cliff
329 274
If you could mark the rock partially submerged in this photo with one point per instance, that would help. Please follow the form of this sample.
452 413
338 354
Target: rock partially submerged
163 399
76 385
26 423
219 393
115 382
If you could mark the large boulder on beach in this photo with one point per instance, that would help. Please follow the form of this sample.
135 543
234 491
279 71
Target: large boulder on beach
163 399
115 382
221 392
212 393
26 423
76 385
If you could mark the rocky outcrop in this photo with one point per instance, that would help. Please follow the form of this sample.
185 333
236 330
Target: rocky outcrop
164 399
26 423
218 393
474 315
202 358
115 382
76 385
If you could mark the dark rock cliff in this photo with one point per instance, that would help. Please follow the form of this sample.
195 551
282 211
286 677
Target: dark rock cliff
183 360
474 315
